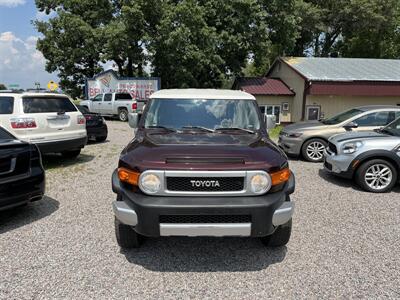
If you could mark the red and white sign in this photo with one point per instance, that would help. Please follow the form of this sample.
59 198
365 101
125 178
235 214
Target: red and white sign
108 82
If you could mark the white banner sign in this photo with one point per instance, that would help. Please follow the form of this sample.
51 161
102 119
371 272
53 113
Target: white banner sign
108 82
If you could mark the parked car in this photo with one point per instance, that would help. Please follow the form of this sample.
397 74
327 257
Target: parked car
371 158
22 177
51 121
202 164
309 139
96 126
113 104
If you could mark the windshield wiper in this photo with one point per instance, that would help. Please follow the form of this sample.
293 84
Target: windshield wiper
235 128
387 131
162 127
198 127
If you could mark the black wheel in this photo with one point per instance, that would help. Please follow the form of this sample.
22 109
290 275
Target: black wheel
101 138
71 154
280 237
123 115
313 150
126 236
376 176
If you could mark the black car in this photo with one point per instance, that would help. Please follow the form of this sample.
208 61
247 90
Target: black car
96 126
22 177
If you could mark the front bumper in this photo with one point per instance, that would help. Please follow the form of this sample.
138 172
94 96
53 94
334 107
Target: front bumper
143 212
23 189
63 145
291 146
340 165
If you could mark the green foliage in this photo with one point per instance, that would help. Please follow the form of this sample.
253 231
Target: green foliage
205 43
274 133
2 87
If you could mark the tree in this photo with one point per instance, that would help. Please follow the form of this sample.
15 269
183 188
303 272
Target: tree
2 87
72 39
202 43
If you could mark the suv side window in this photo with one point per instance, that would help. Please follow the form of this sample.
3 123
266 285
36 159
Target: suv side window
98 98
107 97
380 118
6 105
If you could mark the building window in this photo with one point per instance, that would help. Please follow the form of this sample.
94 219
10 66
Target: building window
272 110
313 112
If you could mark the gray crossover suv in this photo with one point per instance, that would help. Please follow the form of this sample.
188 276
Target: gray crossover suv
371 158
309 139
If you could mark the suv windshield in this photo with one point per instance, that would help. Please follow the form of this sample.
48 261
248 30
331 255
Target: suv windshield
342 117
202 113
47 105
393 128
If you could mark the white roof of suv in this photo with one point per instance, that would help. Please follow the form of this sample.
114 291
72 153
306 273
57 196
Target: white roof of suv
31 94
202 94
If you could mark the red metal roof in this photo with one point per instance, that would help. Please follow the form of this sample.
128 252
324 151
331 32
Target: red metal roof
355 88
263 86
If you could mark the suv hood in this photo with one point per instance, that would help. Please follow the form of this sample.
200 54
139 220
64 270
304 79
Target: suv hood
301 126
202 151
338 138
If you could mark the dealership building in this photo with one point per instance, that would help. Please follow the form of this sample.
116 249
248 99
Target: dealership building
308 88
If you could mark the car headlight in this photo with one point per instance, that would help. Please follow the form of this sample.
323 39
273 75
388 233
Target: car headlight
351 147
150 183
294 134
260 183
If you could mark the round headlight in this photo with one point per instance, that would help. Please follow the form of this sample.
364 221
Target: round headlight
150 183
260 183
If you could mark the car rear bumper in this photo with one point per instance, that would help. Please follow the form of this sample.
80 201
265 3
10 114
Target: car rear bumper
97 131
258 215
23 190
62 145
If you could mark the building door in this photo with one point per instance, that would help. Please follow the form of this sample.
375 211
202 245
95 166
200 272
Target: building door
272 110
313 112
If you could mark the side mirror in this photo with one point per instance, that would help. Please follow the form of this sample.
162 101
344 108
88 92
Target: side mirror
350 126
270 122
133 120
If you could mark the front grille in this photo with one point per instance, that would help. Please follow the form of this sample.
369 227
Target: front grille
205 219
205 184
332 148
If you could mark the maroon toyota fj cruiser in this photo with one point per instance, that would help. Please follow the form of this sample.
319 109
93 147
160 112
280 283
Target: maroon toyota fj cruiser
202 164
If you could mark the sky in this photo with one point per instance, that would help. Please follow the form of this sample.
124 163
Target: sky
20 62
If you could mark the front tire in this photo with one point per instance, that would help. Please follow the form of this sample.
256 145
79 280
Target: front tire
127 237
280 237
123 115
313 150
376 176
71 154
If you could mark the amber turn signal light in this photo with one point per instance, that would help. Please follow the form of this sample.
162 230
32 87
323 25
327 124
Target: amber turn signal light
128 176
280 176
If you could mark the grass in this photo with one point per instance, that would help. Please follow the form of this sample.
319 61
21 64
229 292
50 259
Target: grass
274 133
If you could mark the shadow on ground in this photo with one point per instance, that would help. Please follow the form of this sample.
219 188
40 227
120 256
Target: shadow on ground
181 254
52 161
346 183
24 215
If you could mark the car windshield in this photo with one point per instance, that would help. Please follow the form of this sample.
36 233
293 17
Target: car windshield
202 114
393 128
342 117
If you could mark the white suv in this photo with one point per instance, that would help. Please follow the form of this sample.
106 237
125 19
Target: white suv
51 121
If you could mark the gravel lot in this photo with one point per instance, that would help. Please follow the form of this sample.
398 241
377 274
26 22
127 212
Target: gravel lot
345 243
